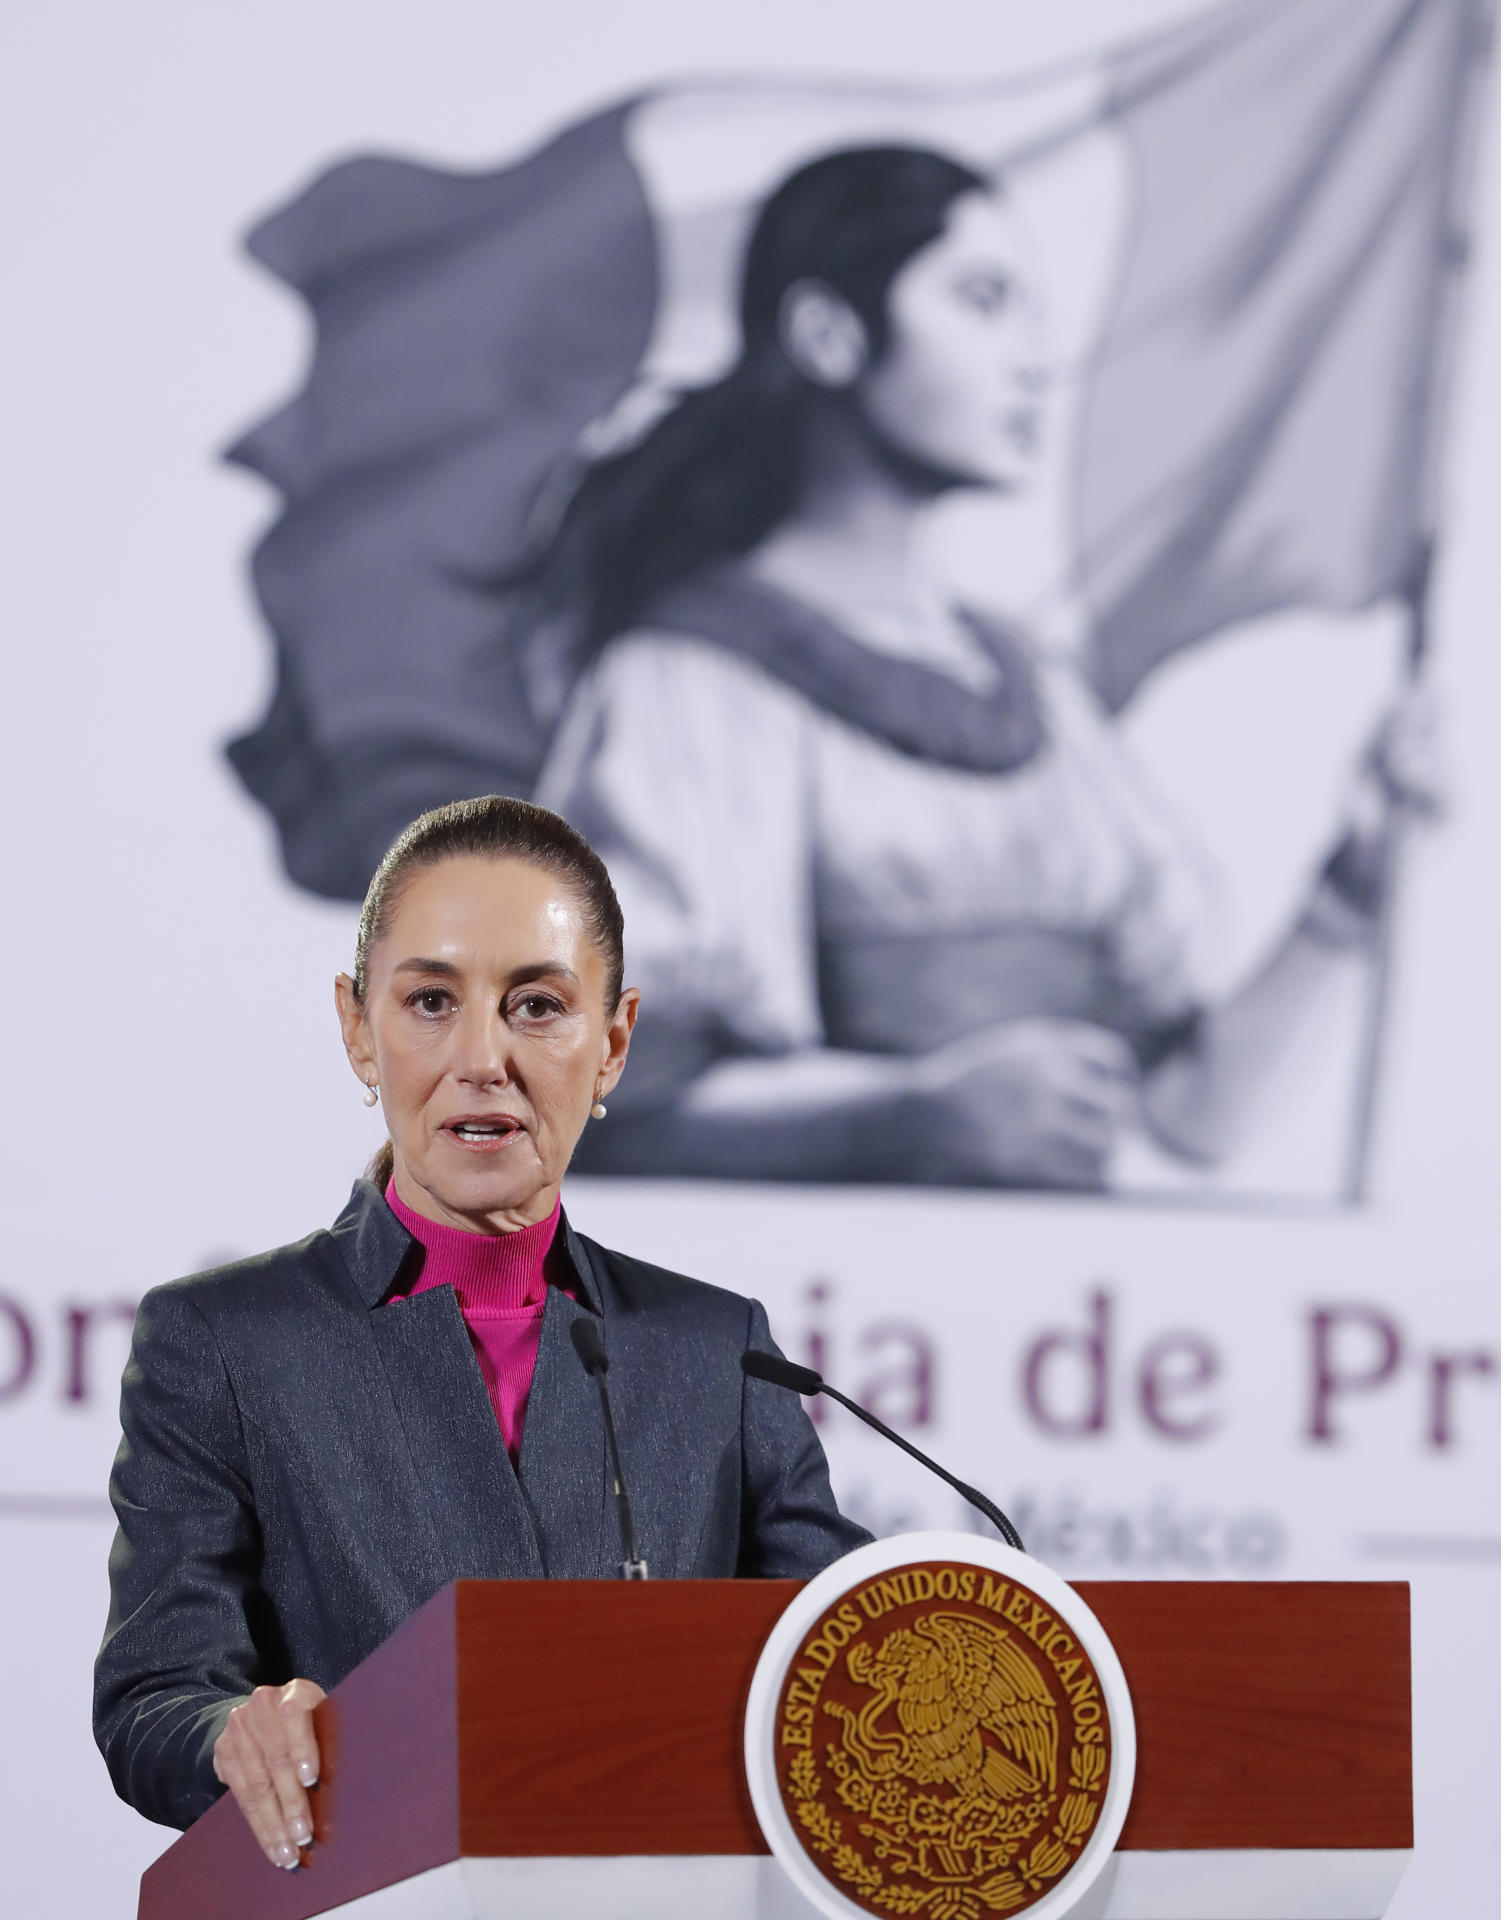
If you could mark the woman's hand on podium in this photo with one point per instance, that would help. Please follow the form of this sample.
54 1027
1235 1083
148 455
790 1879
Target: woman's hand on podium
267 1756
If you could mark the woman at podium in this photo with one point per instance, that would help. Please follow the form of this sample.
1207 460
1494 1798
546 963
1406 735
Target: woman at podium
317 1439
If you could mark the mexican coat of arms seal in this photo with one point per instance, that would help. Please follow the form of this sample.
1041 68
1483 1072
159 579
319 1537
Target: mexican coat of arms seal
944 1733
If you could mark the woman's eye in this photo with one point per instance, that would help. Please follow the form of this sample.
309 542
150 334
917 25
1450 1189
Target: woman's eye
430 1000
537 1006
988 293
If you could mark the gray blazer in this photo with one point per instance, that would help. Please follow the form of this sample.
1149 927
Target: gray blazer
304 1462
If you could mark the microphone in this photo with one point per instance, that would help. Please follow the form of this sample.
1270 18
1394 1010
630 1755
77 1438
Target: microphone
590 1348
786 1373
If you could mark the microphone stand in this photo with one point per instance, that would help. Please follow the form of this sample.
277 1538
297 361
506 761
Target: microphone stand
590 1349
786 1373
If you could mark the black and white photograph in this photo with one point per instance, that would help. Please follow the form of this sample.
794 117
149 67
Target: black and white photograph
961 554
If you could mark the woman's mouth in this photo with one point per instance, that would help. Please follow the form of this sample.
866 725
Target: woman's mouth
484 1135
1022 427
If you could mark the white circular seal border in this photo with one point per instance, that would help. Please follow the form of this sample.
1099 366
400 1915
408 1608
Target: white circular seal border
821 1595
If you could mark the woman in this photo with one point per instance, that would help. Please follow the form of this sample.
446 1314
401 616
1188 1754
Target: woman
316 1440
906 906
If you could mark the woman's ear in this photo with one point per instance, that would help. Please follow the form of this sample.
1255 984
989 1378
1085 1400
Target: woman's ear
618 1037
355 1029
822 335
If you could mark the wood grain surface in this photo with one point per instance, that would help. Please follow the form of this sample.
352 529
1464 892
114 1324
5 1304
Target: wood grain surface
582 1717
584 1727
1268 1713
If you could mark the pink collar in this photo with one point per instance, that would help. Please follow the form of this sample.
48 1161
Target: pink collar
489 1272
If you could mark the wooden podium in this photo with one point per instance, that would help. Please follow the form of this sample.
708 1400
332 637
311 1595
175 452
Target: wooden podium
552 1749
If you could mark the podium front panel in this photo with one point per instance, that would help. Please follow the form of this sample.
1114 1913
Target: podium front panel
541 1747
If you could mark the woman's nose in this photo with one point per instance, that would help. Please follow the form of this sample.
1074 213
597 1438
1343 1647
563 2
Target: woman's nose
484 1049
1033 368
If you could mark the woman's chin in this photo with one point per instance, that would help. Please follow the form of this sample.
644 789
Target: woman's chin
483 1183
1007 473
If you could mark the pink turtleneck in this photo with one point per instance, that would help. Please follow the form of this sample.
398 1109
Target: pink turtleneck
500 1280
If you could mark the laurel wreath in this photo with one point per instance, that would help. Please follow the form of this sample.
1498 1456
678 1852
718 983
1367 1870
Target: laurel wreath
1001 1892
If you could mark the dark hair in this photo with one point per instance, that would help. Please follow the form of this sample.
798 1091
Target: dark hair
493 827
721 470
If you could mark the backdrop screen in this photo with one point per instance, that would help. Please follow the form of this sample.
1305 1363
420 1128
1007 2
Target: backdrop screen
982 517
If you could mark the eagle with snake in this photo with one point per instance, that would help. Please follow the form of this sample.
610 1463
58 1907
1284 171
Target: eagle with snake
953 1680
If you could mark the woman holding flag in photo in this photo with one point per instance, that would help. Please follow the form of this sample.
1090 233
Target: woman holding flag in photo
909 909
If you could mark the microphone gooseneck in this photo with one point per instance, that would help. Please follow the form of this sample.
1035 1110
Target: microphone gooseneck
589 1345
786 1373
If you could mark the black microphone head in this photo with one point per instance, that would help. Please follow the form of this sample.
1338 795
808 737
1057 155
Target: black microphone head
780 1372
588 1344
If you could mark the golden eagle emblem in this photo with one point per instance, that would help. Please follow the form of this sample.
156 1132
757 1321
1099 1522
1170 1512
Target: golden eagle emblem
941 1764
952 1680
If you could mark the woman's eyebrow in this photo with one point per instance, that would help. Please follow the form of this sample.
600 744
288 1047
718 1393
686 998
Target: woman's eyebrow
533 970
543 970
419 965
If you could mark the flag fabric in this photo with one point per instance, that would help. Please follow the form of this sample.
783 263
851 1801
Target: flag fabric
468 328
1258 433
1257 427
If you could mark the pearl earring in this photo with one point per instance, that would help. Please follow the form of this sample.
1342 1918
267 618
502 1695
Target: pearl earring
598 1110
371 1096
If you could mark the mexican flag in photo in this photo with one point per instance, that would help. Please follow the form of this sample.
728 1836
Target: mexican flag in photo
1248 231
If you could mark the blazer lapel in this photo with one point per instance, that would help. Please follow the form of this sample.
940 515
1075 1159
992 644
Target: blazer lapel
474 1503
563 1460
550 1522
470 1495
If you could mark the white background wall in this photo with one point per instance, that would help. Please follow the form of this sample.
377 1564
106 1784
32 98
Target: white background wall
176 1089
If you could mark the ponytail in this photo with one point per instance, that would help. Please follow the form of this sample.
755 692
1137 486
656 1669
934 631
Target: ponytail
719 472
708 483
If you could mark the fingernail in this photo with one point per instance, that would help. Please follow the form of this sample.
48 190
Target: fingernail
307 1773
301 1831
284 1854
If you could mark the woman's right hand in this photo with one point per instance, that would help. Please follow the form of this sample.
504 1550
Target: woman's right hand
1026 1103
267 1756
